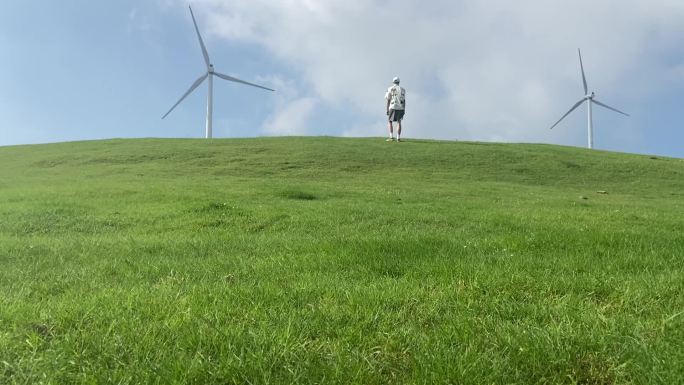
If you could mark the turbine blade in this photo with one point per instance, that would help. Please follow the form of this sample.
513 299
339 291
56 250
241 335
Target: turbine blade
568 113
609 107
584 78
204 49
192 88
232 79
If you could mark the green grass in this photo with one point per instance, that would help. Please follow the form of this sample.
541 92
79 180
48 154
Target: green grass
339 261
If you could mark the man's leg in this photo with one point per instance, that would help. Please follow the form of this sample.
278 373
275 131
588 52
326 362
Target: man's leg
398 130
391 131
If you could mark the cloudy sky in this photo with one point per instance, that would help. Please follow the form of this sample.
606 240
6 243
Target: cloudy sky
495 70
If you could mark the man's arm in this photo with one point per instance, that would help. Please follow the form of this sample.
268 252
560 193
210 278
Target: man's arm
404 95
387 109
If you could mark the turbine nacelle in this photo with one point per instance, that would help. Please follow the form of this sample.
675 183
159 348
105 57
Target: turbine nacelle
590 96
210 69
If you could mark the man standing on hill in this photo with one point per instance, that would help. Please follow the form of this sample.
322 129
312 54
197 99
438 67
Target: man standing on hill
396 105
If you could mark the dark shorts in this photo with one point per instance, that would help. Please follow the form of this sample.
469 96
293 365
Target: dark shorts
396 115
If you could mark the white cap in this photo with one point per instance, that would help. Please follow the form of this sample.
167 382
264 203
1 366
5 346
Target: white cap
395 80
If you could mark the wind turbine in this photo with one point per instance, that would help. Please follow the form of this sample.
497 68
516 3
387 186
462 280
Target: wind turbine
209 74
590 99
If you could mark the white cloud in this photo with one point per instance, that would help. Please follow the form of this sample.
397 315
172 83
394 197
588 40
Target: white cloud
484 70
377 127
138 22
291 118
291 112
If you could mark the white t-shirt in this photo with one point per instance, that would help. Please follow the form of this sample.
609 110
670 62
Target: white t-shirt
396 96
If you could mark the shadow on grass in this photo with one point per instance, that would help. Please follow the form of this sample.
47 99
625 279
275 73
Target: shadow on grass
298 195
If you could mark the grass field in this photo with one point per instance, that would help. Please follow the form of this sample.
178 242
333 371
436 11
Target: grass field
339 261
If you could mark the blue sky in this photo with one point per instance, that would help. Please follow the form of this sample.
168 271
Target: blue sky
489 71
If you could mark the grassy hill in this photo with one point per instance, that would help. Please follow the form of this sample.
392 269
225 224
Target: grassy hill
327 260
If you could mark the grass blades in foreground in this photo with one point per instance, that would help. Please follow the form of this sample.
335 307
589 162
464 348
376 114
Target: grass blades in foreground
339 261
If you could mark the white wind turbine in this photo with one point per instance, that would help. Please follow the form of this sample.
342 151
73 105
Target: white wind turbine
210 74
589 98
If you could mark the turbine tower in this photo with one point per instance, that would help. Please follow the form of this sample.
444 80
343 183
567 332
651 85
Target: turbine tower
210 73
590 99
